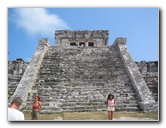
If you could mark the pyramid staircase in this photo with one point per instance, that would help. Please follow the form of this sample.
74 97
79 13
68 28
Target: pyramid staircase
79 79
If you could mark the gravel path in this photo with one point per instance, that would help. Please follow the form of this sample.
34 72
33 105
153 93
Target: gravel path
133 119
122 119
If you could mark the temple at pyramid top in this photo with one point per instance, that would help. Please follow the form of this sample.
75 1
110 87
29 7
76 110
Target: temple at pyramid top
97 38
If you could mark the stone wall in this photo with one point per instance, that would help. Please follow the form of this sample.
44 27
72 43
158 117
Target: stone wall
149 71
81 38
16 69
145 98
31 73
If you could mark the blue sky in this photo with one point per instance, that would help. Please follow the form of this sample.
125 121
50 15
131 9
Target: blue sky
139 25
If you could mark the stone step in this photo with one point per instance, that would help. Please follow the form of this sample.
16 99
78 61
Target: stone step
78 86
92 68
82 109
73 84
83 99
62 77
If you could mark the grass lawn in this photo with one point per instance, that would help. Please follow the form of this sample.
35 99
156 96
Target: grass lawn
92 115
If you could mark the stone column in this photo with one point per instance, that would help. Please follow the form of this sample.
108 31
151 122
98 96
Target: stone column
86 44
146 101
30 75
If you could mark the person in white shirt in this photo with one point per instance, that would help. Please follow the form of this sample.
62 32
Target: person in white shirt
13 113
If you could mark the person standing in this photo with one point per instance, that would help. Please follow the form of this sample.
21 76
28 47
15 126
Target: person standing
36 107
110 106
13 113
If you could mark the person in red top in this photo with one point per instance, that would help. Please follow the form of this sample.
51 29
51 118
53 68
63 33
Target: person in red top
110 106
36 107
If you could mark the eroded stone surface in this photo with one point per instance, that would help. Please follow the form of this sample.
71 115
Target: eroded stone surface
78 78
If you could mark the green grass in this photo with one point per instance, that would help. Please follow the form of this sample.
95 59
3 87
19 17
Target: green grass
93 115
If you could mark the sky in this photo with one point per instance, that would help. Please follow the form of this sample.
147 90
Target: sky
139 25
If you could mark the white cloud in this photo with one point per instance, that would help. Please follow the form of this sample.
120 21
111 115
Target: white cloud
38 21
